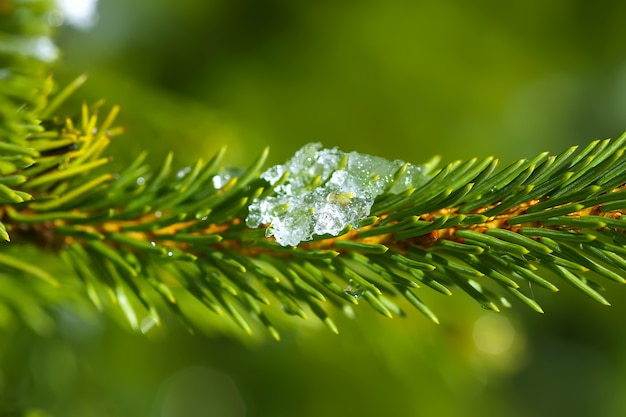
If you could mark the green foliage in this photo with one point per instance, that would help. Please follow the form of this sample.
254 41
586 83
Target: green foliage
145 241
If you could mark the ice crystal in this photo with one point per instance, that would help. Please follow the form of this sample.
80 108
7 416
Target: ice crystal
325 191
227 174
354 289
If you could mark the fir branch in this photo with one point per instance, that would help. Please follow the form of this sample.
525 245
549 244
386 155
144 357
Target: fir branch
143 240
139 237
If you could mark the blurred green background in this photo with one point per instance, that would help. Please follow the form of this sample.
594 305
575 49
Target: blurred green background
399 79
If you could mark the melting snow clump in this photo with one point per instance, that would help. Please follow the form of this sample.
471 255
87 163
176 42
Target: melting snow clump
325 191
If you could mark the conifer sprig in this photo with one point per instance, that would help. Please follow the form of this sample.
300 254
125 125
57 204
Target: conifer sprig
144 239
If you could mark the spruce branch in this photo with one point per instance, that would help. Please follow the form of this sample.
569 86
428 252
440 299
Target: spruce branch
143 239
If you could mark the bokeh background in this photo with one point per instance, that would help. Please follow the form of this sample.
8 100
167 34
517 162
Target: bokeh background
399 79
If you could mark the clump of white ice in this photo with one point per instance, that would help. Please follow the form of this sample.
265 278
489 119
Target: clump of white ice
325 191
